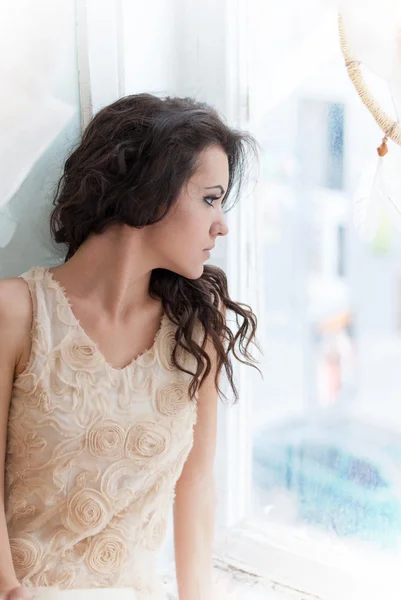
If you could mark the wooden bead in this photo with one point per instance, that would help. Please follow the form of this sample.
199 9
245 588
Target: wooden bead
383 148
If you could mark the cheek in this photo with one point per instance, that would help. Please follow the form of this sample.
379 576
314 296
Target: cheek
186 241
183 233
192 225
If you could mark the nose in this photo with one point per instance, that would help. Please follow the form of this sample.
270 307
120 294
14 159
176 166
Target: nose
224 228
220 227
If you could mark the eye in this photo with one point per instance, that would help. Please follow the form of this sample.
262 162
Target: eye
210 199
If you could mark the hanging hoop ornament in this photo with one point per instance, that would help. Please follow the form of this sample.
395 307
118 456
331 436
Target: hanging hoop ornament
390 128
377 199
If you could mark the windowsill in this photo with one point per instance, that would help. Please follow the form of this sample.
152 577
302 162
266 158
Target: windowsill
235 584
275 567
284 562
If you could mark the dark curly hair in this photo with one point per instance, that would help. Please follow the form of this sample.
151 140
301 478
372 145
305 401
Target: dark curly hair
129 167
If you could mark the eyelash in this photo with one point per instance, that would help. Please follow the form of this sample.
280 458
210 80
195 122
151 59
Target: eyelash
212 198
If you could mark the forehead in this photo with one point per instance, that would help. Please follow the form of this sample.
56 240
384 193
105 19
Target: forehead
212 165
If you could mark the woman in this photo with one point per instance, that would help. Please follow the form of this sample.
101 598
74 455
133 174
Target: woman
110 363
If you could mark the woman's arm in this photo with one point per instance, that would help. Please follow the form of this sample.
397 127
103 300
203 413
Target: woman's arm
15 326
195 500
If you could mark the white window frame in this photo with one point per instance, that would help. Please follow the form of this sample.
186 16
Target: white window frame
100 54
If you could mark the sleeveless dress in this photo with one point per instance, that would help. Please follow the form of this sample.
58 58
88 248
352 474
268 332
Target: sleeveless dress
93 454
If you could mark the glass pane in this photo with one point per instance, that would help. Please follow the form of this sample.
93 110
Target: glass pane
327 417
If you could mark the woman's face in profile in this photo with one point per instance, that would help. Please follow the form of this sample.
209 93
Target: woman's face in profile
180 240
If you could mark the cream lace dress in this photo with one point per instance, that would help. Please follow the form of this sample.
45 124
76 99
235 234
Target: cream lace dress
93 454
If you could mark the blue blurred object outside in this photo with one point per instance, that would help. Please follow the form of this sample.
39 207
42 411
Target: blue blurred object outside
342 474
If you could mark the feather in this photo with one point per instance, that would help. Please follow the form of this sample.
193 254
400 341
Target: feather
367 202
389 182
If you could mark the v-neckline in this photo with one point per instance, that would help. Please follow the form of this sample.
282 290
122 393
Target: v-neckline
63 294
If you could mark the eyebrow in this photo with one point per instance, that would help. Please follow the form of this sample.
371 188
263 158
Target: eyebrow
216 186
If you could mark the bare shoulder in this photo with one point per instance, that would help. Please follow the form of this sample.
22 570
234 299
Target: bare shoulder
15 299
15 315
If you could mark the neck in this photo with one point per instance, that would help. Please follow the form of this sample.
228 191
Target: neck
113 268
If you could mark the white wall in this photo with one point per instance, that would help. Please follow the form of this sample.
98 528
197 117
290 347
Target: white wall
151 34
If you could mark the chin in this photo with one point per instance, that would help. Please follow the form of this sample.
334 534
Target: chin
190 273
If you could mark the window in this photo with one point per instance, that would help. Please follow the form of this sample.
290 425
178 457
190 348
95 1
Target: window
317 490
